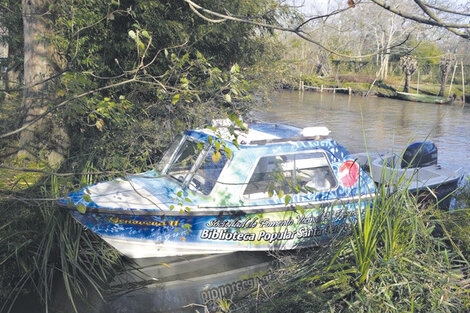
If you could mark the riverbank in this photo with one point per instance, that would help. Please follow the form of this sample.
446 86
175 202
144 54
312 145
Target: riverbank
368 86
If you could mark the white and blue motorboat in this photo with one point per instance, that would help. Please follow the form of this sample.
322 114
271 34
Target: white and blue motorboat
269 187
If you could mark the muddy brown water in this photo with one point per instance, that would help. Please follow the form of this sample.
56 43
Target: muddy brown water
381 124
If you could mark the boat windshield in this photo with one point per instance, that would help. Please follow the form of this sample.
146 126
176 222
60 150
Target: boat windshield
164 163
209 171
184 160
191 162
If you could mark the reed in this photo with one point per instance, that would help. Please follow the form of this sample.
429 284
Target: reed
42 247
394 260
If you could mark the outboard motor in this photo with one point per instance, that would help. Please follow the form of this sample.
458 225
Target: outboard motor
420 154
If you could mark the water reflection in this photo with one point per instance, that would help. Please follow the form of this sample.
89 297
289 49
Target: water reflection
386 123
184 285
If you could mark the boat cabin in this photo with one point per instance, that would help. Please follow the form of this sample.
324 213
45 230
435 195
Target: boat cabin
265 161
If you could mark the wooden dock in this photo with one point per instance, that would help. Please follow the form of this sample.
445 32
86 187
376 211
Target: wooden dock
303 87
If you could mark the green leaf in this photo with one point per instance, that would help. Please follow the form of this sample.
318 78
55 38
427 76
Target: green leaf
287 199
87 198
180 193
146 34
228 98
187 199
235 142
300 209
172 207
280 193
235 68
176 98
132 34
81 208
228 152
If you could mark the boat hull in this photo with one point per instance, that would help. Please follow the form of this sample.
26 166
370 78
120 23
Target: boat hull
143 236
422 98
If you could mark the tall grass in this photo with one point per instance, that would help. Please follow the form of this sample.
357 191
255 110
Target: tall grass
396 259
43 247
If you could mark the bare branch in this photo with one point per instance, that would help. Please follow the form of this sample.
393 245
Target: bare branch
316 17
29 170
435 7
295 30
62 104
422 20
99 21
434 16
205 18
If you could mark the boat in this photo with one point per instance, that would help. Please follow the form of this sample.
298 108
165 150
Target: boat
416 169
421 98
254 187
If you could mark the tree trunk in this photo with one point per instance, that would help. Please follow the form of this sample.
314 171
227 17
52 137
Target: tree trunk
406 88
46 134
444 78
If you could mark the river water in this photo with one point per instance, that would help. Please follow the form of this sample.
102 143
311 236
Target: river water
380 124
189 284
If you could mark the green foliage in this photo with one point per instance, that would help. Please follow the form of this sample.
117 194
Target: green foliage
427 52
130 67
392 262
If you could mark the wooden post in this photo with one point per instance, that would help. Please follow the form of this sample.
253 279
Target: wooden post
452 80
321 88
417 87
463 83
349 90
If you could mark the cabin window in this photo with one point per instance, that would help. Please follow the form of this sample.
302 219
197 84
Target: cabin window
207 174
291 173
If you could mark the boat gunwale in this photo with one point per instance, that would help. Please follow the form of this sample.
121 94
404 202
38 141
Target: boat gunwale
227 211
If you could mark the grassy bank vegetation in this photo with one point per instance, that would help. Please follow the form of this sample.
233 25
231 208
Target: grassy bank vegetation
363 84
400 257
